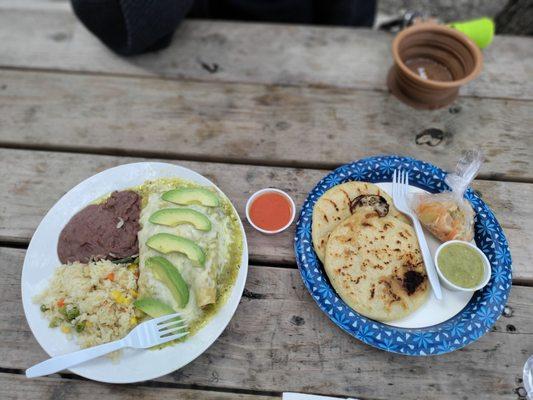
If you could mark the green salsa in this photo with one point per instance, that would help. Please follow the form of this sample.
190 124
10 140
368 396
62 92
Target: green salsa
461 265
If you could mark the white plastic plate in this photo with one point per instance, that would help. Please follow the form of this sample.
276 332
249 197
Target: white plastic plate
41 260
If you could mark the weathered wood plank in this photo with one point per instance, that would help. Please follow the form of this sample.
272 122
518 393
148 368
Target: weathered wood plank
254 53
279 340
35 5
254 123
18 387
31 182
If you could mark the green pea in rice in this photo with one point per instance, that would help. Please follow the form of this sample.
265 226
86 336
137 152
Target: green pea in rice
92 302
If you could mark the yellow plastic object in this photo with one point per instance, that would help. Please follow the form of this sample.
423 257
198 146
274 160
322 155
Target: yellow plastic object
480 30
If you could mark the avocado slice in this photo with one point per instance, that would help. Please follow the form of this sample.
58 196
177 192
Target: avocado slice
177 216
187 196
167 243
167 273
153 307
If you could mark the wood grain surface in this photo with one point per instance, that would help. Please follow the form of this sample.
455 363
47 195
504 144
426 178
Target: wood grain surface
250 106
52 38
280 340
287 126
17 387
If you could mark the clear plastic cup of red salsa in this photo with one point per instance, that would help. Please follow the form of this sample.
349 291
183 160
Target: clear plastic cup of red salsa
270 210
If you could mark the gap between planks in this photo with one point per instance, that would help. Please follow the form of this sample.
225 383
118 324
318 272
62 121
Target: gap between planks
220 160
247 52
263 124
190 390
228 81
251 261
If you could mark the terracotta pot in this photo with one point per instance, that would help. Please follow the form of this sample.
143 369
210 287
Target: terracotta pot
431 63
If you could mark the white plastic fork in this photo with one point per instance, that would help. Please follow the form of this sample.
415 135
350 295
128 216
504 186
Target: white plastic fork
147 334
400 186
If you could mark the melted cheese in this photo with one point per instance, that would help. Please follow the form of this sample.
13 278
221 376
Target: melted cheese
202 281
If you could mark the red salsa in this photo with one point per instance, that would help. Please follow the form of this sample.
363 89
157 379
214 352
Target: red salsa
270 211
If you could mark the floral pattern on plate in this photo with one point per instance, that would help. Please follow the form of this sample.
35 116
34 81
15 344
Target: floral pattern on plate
470 324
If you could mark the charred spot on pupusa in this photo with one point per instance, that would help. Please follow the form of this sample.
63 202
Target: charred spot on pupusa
378 203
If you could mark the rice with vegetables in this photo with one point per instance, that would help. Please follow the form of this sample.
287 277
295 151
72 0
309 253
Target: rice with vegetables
93 302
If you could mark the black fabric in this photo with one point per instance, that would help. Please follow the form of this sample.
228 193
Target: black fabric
131 27
285 11
345 12
319 12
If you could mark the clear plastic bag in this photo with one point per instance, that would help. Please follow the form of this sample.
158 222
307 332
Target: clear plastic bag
448 215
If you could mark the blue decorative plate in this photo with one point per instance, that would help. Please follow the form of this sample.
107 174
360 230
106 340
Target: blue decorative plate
470 324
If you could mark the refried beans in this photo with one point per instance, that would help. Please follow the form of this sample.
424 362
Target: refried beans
102 231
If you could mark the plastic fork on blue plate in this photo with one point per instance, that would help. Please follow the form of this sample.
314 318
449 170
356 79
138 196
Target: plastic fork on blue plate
400 188
147 334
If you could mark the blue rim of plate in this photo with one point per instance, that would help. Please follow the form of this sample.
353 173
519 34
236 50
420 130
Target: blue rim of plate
478 316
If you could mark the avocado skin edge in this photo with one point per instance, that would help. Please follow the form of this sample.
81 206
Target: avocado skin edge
187 196
168 243
168 274
153 307
176 216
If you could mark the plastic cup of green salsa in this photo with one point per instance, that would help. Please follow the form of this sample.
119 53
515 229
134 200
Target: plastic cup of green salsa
462 266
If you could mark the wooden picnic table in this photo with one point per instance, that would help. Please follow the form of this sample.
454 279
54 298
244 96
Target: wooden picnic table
250 106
